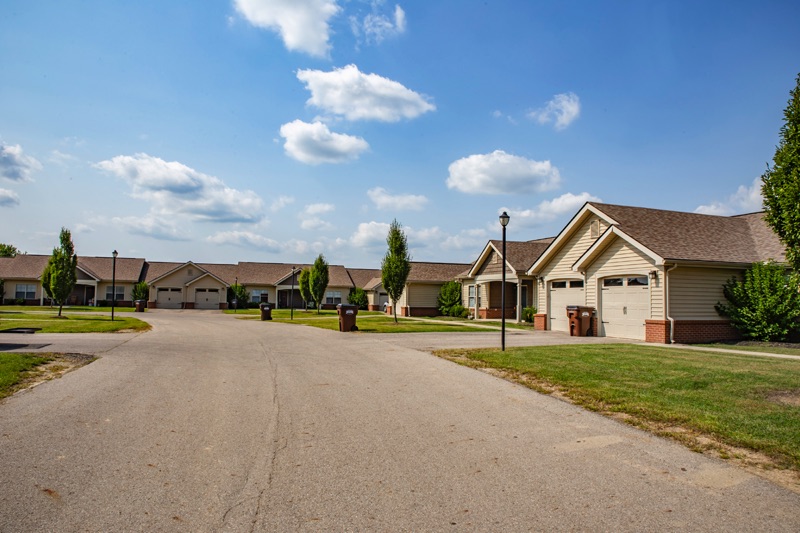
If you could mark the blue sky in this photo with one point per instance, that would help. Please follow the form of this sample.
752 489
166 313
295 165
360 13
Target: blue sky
274 130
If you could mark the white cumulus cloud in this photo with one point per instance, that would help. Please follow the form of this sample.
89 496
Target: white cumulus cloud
744 200
383 200
562 110
245 239
349 93
370 234
548 210
8 198
377 26
302 24
15 165
280 202
502 173
173 188
318 209
315 143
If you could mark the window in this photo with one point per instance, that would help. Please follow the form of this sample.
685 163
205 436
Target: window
120 292
471 296
333 297
638 281
558 285
577 284
612 282
26 292
255 295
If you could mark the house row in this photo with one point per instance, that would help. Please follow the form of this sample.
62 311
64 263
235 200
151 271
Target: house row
646 274
193 285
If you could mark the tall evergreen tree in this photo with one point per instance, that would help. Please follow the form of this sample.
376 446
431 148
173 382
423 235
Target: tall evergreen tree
781 183
396 264
318 280
60 276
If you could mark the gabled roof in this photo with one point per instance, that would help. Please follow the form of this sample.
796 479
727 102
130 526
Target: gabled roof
264 273
675 236
520 255
678 236
338 277
156 271
435 272
224 272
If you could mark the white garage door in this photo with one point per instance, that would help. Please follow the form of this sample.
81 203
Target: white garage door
625 305
562 294
169 298
206 299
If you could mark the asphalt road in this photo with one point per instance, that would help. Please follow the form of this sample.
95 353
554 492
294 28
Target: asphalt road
208 423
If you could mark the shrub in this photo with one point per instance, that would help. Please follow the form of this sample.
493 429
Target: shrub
765 305
449 297
527 313
358 297
140 291
458 311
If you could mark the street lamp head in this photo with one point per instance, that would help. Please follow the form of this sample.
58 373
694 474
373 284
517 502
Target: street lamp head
504 218
114 254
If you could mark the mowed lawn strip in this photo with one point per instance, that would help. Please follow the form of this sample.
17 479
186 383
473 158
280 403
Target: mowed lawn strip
381 324
69 323
742 401
756 347
14 367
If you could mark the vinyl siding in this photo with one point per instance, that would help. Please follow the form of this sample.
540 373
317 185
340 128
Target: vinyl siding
620 258
693 291
560 266
422 295
492 265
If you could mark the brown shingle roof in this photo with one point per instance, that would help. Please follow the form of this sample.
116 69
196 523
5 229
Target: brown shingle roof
225 272
23 266
522 254
422 271
680 236
156 269
363 276
273 273
128 269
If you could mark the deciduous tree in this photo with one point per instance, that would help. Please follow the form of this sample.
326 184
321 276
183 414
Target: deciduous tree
8 250
304 283
318 280
781 183
396 264
59 276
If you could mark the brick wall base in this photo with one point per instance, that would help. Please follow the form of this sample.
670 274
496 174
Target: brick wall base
540 321
222 305
497 313
373 307
188 305
151 304
690 331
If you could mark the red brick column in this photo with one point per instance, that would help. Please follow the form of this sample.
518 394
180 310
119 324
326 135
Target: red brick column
656 331
540 321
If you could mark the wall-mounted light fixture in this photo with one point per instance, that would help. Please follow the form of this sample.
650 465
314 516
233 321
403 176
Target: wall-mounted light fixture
654 275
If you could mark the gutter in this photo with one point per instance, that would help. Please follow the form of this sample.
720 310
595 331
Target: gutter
666 298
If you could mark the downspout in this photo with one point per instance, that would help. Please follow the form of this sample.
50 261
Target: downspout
666 298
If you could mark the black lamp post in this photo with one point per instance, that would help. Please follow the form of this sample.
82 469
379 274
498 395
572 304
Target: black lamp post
291 298
113 282
504 218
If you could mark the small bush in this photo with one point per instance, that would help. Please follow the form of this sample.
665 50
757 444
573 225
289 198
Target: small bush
458 311
765 305
358 297
140 291
449 297
528 313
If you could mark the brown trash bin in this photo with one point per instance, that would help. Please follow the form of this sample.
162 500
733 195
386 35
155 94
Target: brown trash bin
266 311
580 320
347 317
140 305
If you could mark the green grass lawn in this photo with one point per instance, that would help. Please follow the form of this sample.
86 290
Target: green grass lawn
759 347
380 323
742 401
79 322
70 308
14 367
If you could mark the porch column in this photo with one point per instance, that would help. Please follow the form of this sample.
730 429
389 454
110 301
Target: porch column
519 300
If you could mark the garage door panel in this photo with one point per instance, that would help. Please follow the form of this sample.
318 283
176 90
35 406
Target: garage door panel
624 308
169 298
560 298
206 299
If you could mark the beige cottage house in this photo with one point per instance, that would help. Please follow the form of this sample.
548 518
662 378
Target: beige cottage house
482 283
369 279
96 277
421 293
185 286
648 274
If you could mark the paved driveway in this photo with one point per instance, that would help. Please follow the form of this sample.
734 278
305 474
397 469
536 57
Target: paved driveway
209 423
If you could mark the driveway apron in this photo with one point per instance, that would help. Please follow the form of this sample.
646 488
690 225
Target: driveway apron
208 423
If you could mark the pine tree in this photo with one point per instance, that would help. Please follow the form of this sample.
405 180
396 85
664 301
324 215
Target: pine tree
396 264
781 183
